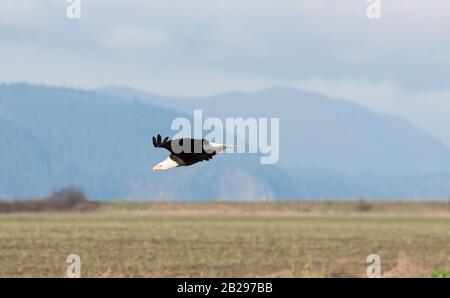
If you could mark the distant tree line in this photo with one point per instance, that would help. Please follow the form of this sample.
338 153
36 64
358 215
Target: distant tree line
66 199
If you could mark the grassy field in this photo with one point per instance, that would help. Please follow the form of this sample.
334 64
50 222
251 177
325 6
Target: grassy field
320 239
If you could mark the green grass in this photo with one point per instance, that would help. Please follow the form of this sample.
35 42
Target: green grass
438 273
134 239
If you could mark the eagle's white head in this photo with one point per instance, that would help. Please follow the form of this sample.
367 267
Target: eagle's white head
167 164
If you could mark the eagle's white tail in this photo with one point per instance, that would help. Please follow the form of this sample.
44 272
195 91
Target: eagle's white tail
216 147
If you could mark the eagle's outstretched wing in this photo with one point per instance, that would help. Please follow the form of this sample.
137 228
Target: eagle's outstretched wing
158 142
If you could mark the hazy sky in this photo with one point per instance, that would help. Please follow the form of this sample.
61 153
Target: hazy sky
398 64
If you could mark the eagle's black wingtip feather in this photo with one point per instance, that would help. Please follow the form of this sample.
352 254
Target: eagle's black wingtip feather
159 142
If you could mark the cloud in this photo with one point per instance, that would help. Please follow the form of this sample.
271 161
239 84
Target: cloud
21 12
267 40
130 37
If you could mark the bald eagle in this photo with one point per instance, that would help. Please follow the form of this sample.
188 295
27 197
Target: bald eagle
186 151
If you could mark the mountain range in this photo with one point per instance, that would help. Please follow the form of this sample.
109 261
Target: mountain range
100 141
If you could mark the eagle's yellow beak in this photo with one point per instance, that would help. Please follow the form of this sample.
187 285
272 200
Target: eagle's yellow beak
156 168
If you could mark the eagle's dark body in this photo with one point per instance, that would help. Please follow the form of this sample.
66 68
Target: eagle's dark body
186 151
